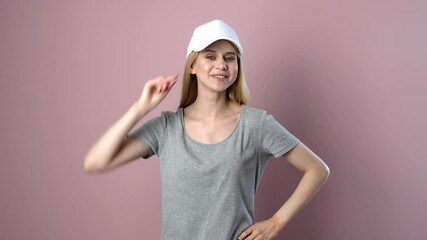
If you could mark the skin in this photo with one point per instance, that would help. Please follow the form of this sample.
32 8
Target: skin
210 119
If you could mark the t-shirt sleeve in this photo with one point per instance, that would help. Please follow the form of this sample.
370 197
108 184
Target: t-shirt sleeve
276 140
150 134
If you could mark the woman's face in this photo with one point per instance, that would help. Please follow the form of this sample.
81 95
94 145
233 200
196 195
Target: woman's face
216 67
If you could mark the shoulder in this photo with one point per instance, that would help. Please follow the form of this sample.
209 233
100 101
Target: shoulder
254 113
168 118
253 118
171 115
259 118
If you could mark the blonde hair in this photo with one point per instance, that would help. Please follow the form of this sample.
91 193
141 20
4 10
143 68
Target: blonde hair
238 92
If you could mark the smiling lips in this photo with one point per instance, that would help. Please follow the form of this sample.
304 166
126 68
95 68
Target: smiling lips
219 76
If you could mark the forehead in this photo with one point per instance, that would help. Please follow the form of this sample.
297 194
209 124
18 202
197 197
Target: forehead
221 46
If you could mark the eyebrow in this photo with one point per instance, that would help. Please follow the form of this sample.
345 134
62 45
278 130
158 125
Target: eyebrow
212 51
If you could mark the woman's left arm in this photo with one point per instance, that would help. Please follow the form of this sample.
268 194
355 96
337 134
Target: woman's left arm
316 172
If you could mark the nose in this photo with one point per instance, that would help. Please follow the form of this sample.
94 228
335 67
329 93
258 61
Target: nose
222 64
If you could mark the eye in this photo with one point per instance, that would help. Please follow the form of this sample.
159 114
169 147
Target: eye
210 57
230 58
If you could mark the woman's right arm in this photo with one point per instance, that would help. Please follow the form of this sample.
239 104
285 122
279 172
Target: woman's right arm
113 149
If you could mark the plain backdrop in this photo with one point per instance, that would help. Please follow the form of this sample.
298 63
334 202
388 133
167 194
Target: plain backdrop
349 78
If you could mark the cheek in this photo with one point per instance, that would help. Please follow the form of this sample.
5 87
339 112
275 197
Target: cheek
206 67
200 68
235 69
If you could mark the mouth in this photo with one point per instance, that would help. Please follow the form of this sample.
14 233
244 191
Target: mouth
220 76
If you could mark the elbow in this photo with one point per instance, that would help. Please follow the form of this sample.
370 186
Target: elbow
320 171
325 172
90 166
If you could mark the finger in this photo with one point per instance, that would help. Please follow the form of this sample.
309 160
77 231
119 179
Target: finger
170 83
160 80
175 79
161 84
168 77
172 79
250 237
175 76
245 233
165 81
159 88
165 88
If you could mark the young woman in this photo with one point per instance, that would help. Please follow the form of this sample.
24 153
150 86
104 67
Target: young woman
213 149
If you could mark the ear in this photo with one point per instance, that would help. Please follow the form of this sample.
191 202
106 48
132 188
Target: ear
192 70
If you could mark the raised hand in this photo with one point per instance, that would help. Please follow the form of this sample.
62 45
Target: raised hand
113 148
155 90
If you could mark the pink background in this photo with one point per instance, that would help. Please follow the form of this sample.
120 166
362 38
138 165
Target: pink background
349 78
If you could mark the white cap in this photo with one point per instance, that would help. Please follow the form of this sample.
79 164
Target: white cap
210 32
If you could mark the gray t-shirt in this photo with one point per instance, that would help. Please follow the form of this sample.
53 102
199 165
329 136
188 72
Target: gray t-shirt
208 190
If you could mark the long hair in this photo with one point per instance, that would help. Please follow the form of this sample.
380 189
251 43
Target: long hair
238 92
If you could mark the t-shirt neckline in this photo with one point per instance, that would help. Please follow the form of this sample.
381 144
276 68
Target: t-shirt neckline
181 113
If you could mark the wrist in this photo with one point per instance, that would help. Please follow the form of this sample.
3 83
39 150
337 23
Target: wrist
140 109
279 221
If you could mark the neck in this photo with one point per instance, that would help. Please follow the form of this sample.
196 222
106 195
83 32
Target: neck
211 106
